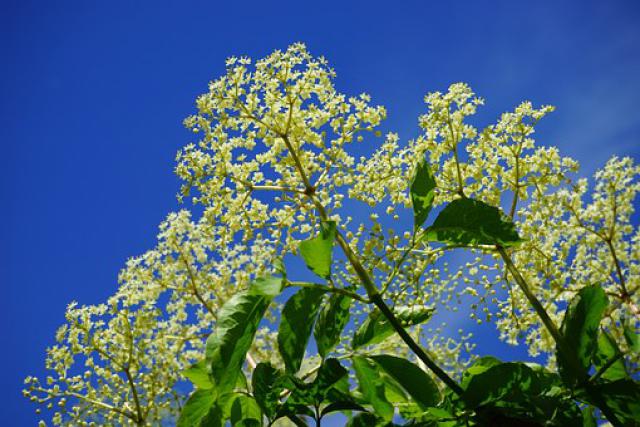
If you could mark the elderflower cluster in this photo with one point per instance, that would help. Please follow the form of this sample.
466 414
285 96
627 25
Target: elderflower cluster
274 156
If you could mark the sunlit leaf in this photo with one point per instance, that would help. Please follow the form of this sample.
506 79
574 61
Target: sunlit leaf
472 222
316 252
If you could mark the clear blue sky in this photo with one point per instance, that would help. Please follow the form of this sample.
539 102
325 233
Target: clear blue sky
92 95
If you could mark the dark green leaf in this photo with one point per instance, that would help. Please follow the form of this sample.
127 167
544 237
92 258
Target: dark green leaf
472 222
376 328
422 193
478 367
414 380
198 373
269 286
330 385
298 317
588 417
267 383
332 319
372 387
516 391
364 419
234 331
196 408
622 397
607 351
316 252
580 331
341 406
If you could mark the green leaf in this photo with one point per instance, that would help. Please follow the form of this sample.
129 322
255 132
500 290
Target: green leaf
498 382
333 317
376 328
364 419
411 378
341 406
588 417
267 384
227 346
372 387
270 286
580 331
198 373
516 391
330 385
316 252
631 337
622 397
478 367
422 193
298 317
471 222
244 408
607 351
196 408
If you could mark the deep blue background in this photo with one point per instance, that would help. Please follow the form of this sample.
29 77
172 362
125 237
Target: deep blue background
92 95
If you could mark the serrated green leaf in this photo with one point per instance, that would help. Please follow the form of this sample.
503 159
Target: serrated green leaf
227 346
580 331
298 317
422 193
607 351
196 408
376 328
333 317
372 387
411 378
198 374
472 222
316 252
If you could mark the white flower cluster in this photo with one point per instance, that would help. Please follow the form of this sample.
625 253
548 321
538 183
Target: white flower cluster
274 157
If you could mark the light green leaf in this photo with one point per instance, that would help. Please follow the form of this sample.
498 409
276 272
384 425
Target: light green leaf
298 317
580 331
471 222
333 317
196 408
227 346
376 328
243 408
411 378
269 286
607 351
316 252
422 193
372 387
198 373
